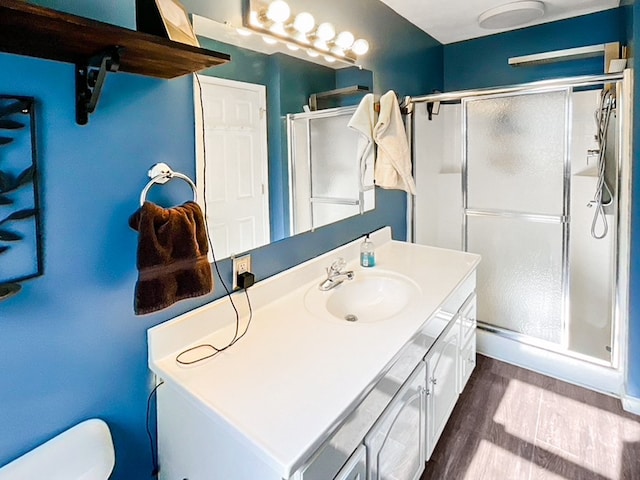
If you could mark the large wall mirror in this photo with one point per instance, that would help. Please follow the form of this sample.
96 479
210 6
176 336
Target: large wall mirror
241 128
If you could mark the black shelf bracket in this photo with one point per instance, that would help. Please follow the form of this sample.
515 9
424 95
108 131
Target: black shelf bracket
90 79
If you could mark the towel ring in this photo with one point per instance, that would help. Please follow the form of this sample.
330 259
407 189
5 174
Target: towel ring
161 173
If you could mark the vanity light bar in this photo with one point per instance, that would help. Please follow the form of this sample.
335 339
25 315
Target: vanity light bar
275 23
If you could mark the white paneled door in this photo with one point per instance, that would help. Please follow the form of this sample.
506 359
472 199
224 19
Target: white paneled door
231 140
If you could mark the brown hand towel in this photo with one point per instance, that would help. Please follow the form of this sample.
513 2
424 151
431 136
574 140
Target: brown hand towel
172 256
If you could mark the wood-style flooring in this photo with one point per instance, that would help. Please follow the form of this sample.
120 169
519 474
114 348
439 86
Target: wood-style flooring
513 424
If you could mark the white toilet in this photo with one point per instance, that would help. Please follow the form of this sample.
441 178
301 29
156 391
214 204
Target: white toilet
84 452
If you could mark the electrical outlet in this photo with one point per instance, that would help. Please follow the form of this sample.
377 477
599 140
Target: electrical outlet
240 265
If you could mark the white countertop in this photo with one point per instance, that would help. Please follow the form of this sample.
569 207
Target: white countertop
282 388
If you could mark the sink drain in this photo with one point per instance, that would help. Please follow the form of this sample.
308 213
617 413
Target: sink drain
351 318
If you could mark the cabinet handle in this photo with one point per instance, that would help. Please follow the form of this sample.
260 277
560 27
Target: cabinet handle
433 380
471 360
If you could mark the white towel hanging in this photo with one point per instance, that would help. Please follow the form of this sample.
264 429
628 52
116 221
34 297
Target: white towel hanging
363 121
393 164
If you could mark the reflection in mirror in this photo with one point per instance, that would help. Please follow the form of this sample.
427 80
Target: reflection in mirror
288 82
232 162
327 181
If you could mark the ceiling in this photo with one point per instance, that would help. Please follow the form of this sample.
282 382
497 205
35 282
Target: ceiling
450 21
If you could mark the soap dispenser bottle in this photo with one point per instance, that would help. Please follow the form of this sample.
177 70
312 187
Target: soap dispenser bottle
367 253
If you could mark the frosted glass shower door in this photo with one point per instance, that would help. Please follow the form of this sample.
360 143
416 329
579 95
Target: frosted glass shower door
515 206
326 178
335 183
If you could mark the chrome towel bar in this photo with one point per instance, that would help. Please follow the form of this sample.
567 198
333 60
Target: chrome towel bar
161 173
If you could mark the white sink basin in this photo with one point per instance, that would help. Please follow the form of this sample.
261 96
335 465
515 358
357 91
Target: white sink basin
370 297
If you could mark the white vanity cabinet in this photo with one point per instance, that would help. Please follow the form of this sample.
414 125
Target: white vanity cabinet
305 396
395 444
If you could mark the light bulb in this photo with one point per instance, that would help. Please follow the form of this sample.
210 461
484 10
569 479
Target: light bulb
312 53
321 45
278 11
344 40
360 47
278 29
269 40
304 22
325 31
244 32
292 47
329 59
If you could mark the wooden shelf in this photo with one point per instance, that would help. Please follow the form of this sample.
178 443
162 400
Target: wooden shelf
35 31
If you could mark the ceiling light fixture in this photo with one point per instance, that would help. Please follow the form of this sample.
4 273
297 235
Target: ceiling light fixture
511 14
276 23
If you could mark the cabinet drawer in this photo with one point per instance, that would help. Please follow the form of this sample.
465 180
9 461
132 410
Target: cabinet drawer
467 361
467 319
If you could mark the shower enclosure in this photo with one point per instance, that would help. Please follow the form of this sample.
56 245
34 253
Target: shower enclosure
532 178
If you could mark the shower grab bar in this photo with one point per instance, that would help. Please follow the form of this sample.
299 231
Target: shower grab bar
161 173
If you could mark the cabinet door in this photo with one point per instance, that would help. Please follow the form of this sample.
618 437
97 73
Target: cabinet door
356 467
467 362
442 384
395 445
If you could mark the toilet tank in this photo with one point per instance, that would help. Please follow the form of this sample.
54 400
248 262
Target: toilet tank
84 452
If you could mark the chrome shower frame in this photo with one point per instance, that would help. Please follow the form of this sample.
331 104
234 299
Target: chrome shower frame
623 85
562 219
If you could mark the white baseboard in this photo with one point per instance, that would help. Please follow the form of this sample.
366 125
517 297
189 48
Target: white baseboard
631 404
568 369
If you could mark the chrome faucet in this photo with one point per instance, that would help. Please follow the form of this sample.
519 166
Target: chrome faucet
335 275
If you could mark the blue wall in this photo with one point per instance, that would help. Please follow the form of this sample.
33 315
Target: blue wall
483 63
70 346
